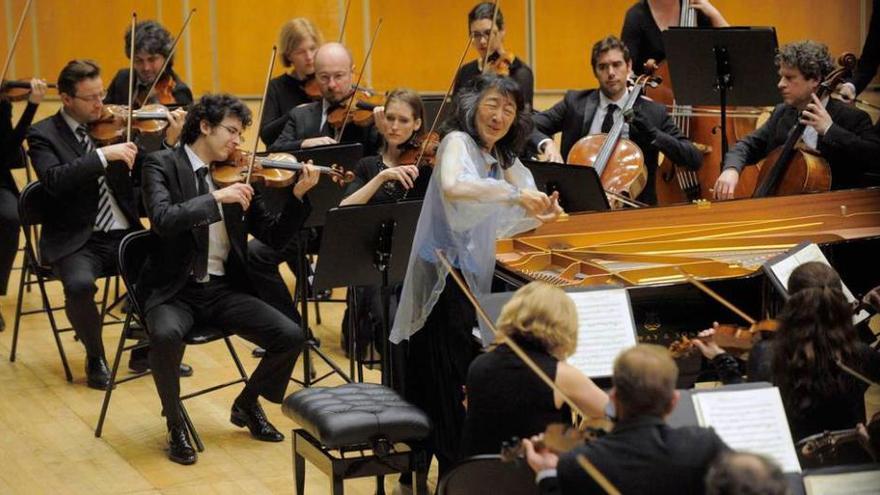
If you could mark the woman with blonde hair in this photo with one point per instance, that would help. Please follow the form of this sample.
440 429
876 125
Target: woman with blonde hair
505 397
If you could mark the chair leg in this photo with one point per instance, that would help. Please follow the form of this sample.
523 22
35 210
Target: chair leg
317 312
238 365
299 467
24 274
421 481
191 428
380 485
338 484
51 315
106 404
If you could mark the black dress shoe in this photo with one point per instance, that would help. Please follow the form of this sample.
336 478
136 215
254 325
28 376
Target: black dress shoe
179 448
252 416
97 374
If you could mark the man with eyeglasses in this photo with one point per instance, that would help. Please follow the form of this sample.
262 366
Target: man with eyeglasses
89 203
198 275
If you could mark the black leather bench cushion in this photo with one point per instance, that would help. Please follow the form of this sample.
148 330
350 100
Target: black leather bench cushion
355 413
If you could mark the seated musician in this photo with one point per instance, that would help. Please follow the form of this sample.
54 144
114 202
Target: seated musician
591 111
308 125
642 454
198 274
815 329
488 38
299 41
89 206
869 60
505 398
744 473
842 134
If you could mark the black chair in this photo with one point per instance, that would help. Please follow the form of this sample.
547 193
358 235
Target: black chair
133 250
477 474
33 271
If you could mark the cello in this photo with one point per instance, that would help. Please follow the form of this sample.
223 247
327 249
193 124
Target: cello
793 168
618 161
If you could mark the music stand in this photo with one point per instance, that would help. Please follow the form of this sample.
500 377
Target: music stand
432 105
368 245
580 188
730 66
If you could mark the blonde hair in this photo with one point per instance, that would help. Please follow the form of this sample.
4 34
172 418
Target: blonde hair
644 380
294 32
542 313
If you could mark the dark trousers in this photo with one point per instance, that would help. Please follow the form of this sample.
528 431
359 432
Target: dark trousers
78 273
263 261
9 229
218 304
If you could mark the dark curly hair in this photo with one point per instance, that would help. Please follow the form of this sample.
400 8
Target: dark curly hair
213 109
486 10
463 117
815 329
150 37
811 58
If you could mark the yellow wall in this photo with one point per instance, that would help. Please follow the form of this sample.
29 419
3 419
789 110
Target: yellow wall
418 46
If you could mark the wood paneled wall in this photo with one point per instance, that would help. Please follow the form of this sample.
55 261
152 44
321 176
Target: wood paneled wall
228 44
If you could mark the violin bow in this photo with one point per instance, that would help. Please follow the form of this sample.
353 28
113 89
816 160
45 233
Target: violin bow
358 83
259 118
591 470
714 295
168 58
855 373
625 200
491 33
15 39
344 20
131 78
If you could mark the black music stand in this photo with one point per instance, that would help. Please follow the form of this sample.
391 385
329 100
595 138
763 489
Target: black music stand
730 66
368 245
432 105
580 188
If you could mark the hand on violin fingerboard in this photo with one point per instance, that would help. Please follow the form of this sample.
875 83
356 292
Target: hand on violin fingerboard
308 178
175 126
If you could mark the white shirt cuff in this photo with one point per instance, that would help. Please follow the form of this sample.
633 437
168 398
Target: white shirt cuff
542 143
102 157
544 474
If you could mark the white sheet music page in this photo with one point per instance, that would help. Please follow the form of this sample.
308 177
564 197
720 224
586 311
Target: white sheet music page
605 327
751 420
858 483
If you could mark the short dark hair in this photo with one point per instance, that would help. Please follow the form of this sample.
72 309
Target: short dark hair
740 473
644 381
486 10
213 108
150 37
74 72
608 43
463 117
811 58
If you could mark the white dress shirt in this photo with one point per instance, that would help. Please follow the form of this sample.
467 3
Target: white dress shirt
218 238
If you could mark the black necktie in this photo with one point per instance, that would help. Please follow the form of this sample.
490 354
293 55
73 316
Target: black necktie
608 121
104 219
200 269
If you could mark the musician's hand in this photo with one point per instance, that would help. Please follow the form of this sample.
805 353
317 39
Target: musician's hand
38 91
554 212
308 178
847 91
175 125
539 459
534 202
317 141
125 152
405 174
726 184
379 119
709 11
240 193
550 153
872 298
816 116
705 342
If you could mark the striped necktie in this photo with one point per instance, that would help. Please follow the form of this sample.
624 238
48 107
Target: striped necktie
104 219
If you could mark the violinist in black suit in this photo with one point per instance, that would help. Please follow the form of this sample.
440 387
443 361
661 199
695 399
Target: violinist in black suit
842 134
198 275
582 113
90 203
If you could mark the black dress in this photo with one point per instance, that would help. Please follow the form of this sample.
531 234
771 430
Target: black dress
506 399
519 72
642 36
285 92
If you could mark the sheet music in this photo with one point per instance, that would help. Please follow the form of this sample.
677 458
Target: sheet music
605 327
782 270
858 483
751 420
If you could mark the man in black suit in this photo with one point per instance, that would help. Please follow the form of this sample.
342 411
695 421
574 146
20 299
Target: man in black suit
642 454
90 203
869 61
198 275
582 113
842 134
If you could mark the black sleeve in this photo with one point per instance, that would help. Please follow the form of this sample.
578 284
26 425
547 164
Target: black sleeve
526 81
166 217
288 140
114 91
61 178
674 144
870 59
182 93
855 142
274 118
12 139
631 34
548 122
753 148
727 368
277 230
361 176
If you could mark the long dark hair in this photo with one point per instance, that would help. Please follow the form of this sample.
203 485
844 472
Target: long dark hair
815 329
463 117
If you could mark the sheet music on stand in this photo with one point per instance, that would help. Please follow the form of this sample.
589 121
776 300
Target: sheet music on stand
750 420
605 327
847 483
780 267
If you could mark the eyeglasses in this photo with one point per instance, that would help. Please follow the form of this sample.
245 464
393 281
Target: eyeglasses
93 98
479 35
234 131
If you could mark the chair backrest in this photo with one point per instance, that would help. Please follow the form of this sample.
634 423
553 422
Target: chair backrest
133 250
483 474
30 214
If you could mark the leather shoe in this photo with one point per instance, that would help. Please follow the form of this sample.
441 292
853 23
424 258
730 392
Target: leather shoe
179 448
97 374
252 416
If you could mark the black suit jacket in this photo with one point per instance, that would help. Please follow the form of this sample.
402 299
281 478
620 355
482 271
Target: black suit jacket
179 216
304 122
117 93
574 114
851 144
70 177
643 455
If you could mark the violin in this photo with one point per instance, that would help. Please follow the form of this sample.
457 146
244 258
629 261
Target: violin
826 448
311 87
420 150
162 92
361 112
732 338
274 171
111 127
18 90
499 63
558 437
